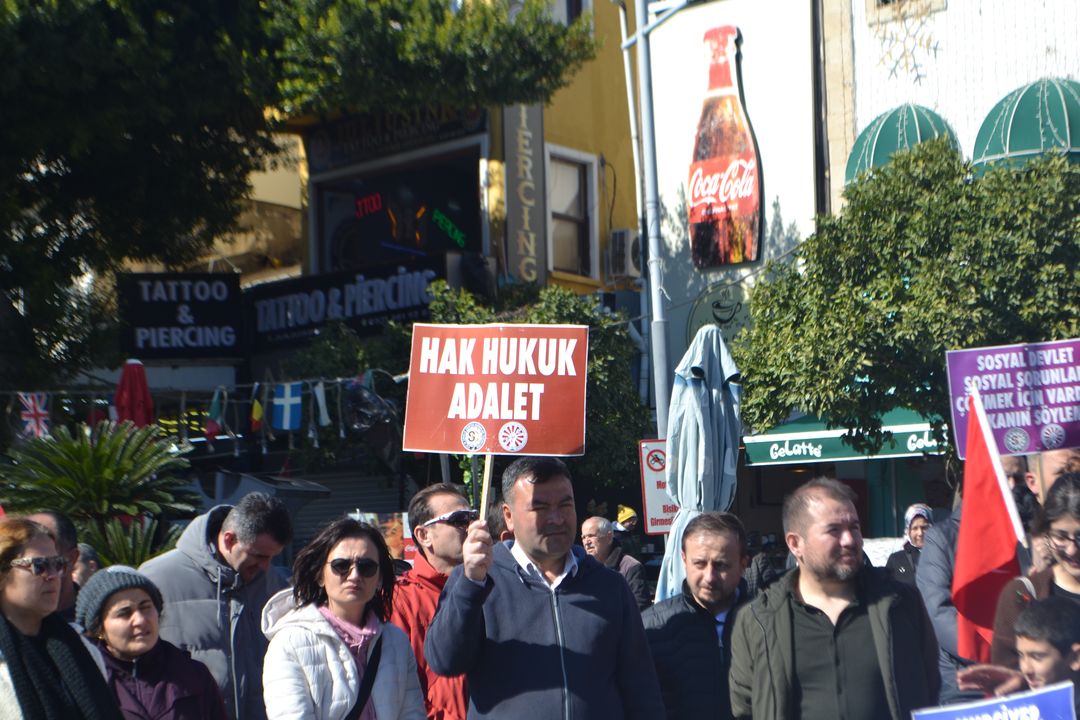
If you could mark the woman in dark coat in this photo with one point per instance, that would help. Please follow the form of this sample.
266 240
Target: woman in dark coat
47 670
903 563
151 678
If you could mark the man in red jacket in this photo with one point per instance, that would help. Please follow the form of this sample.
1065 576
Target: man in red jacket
438 516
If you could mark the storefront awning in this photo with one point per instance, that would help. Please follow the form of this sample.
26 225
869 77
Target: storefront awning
809 440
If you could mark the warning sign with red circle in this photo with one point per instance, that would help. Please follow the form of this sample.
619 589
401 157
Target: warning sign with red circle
659 508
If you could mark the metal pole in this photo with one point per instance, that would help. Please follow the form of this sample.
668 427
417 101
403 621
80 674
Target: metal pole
639 209
658 330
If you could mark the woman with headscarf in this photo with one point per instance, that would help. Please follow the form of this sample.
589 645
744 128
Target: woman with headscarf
120 608
332 655
902 564
47 670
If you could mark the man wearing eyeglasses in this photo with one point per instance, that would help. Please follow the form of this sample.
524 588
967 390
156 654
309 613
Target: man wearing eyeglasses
438 515
539 628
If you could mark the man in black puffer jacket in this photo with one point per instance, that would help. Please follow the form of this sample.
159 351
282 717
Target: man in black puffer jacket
690 634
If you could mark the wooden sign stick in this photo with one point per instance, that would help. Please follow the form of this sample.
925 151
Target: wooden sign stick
489 463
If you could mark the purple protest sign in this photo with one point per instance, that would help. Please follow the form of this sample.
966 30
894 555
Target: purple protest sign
1031 393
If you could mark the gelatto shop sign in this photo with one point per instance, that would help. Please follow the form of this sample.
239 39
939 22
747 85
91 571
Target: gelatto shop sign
499 389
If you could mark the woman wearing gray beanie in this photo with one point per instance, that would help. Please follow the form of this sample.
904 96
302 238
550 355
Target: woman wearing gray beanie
119 609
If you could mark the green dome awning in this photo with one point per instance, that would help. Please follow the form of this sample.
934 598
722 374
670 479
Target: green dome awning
898 129
1035 119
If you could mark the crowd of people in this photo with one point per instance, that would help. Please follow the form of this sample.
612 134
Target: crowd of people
507 616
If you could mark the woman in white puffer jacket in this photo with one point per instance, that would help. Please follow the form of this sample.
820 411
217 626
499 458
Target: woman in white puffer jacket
324 630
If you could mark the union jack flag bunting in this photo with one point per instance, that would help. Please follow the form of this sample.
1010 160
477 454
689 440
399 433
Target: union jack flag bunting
35 414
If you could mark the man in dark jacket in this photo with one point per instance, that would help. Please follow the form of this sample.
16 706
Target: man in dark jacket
690 634
832 638
598 539
215 584
539 628
934 580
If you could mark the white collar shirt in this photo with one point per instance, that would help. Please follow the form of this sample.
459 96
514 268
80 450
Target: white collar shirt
570 568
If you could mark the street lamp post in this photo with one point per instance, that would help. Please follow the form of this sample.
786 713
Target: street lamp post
658 326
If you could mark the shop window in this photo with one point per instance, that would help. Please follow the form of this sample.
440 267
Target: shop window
567 11
571 222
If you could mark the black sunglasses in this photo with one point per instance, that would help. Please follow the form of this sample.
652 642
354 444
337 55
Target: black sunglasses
457 518
343 566
54 565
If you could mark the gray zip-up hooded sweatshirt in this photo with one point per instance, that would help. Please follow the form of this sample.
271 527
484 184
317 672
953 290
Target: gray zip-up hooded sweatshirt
210 612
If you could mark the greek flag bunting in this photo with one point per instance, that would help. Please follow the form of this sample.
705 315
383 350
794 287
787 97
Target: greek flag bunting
287 406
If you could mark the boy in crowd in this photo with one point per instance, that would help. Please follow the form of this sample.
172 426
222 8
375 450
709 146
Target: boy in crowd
1048 643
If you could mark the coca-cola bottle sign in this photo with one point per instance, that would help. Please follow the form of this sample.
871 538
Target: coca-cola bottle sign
724 187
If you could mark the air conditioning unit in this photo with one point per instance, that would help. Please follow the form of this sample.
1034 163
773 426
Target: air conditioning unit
624 253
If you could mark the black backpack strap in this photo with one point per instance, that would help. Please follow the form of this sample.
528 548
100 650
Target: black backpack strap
367 682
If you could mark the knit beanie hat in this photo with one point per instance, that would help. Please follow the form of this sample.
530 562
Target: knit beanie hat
102 585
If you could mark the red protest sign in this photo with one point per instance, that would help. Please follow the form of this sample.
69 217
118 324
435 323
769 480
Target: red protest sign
500 389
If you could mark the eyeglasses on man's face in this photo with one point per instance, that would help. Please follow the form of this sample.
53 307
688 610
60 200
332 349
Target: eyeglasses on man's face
54 565
456 518
343 566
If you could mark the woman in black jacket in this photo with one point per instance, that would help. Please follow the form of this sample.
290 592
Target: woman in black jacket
902 563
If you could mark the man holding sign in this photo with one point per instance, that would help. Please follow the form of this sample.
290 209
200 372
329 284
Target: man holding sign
539 628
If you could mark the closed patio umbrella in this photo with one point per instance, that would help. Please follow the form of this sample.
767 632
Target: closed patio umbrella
132 400
702 444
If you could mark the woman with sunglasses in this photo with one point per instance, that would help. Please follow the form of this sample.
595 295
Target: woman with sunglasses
47 670
332 656
1060 530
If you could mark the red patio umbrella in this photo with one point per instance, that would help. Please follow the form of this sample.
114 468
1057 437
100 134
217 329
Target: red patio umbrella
133 401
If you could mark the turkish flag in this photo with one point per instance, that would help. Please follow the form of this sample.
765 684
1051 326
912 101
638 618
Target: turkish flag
986 546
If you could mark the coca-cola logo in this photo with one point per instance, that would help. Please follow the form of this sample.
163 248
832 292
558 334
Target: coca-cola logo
738 181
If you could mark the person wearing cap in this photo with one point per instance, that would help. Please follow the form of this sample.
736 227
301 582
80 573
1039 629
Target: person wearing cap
438 515
626 527
902 564
119 608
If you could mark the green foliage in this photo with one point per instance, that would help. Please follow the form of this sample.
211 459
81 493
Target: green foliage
925 257
120 471
130 130
404 54
131 545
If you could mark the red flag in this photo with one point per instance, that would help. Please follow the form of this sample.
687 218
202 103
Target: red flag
986 546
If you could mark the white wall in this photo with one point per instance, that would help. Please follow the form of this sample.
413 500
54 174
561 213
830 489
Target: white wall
962 60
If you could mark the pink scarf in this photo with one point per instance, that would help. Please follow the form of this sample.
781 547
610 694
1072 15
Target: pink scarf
357 640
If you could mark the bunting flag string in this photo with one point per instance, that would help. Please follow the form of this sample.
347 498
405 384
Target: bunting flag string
35 414
313 431
340 414
319 393
255 417
268 405
215 416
